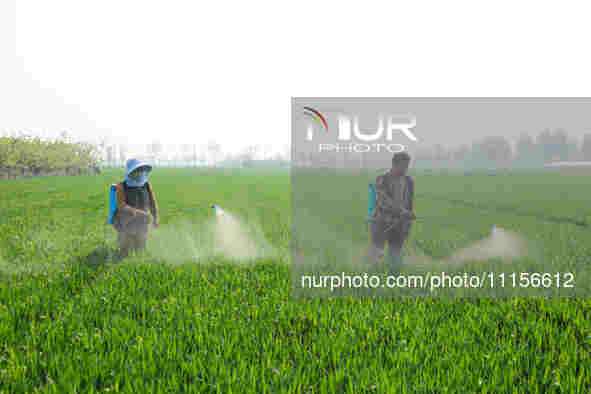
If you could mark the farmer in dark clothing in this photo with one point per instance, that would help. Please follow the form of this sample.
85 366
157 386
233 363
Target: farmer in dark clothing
393 213
135 202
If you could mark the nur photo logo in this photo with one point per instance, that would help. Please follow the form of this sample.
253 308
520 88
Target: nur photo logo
316 116
350 137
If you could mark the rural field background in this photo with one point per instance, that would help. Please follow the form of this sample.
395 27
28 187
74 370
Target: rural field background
540 217
208 307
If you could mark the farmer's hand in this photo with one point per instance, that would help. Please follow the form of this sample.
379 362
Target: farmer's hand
139 212
408 215
155 223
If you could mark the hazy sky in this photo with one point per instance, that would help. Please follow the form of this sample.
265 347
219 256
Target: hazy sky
190 72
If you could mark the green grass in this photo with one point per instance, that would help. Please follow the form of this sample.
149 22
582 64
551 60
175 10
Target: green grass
183 317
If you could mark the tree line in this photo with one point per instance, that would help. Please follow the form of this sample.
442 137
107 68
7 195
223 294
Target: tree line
488 152
27 155
210 154
548 146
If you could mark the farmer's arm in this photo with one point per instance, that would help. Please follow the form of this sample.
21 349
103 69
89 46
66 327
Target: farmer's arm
384 200
153 203
122 205
411 192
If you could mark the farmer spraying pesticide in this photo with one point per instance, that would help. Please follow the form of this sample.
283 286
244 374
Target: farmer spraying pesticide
135 201
392 216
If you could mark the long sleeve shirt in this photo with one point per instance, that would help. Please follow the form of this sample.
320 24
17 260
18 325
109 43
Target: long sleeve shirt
394 195
124 207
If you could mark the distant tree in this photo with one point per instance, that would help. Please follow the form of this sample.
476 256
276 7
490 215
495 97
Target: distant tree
491 151
101 147
286 152
248 155
188 153
560 147
424 153
572 151
526 147
31 155
254 151
440 153
554 145
586 147
202 155
123 153
267 148
461 153
528 153
215 151
544 142
111 154
65 137
279 158
155 149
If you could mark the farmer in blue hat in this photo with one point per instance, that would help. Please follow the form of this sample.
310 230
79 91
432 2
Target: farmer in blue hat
135 202
393 214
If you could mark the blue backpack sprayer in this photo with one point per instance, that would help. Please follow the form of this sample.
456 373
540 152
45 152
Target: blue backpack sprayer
112 203
372 200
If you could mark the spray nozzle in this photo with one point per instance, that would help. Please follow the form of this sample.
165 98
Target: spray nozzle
218 211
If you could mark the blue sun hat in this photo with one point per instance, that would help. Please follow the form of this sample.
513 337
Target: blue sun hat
142 177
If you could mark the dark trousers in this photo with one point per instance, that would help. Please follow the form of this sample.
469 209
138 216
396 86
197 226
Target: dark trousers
133 232
396 236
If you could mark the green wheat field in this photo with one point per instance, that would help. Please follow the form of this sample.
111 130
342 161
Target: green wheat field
202 311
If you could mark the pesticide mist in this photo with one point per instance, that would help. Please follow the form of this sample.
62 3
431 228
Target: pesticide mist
224 235
501 243
236 239
504 244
